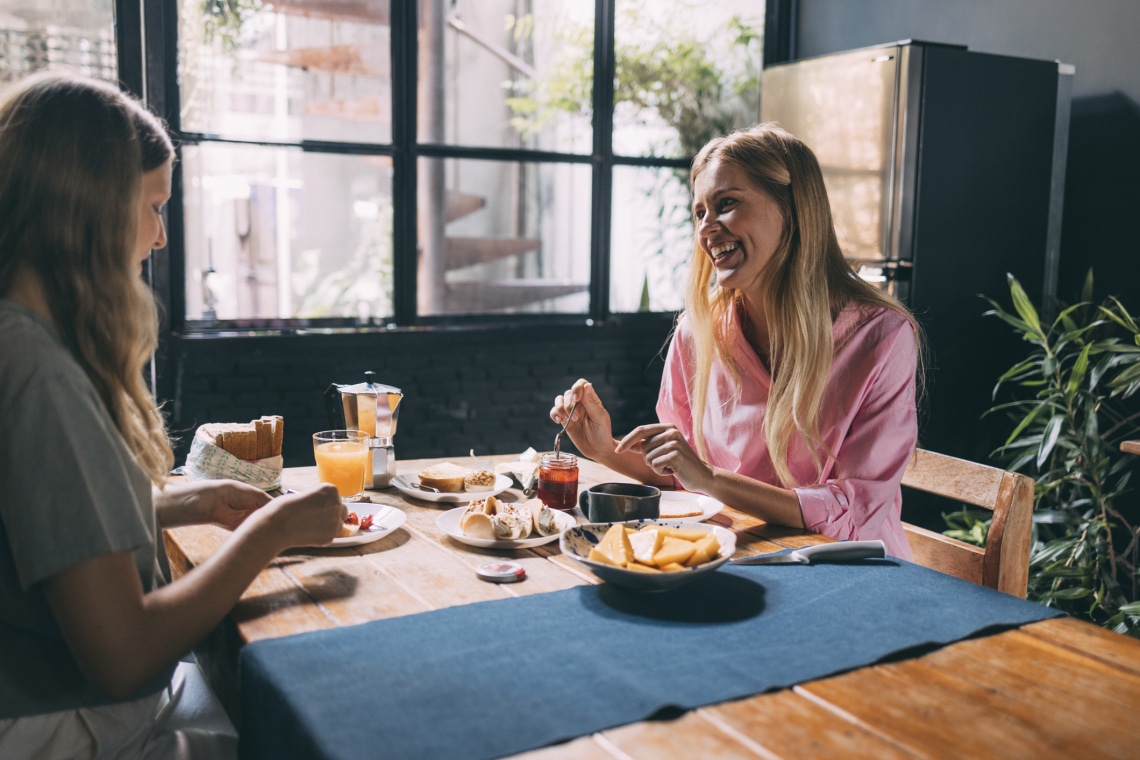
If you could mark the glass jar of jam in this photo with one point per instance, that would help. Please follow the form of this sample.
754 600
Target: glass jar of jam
558 481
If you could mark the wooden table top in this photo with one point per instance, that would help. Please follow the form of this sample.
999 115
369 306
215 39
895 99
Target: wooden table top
1055 688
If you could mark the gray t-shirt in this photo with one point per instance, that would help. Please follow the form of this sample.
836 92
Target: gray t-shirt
70 490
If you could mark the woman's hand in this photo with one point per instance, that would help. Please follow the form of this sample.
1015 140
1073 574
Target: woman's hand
122 636
222 502
590 429
307 518
666 452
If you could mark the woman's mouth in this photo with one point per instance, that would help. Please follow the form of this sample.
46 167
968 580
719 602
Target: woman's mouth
718 252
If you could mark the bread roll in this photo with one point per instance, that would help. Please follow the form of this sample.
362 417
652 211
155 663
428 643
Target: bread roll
444 477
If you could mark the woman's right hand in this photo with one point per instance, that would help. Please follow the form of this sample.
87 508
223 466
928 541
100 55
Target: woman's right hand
306 518
590 428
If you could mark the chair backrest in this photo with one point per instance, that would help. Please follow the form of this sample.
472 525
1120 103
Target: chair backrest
1004 563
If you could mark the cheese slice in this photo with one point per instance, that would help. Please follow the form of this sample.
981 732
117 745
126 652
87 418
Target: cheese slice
673 551
705 549
646 543
615 545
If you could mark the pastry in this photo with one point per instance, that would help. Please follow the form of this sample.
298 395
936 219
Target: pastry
495 520
476 520
445 477
479 480
511 522
543 517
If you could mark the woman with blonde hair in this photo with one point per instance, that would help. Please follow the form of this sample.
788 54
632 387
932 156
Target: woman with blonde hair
789 386
91 627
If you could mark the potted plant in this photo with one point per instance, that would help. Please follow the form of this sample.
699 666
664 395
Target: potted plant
1072 400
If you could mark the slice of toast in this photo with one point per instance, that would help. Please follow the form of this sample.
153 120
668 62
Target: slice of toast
278 425
258 439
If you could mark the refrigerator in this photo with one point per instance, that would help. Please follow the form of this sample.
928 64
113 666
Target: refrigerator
945 171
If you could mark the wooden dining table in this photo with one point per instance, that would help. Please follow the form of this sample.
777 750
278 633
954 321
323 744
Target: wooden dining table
1056 688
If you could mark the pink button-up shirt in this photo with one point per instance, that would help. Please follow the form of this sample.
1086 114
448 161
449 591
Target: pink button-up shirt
867 420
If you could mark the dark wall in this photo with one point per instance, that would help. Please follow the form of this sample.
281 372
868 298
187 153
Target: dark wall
1101 191
1101 188
484 389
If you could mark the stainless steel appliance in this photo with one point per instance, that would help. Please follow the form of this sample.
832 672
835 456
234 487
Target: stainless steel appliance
371 407
945 171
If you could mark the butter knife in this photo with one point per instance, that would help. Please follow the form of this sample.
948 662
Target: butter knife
840 551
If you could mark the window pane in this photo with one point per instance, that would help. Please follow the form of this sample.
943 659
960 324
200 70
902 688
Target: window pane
285 72
275 233
652 239
77 36
493 76
503 237
686 71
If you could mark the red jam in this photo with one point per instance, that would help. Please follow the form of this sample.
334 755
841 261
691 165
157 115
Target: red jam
558 481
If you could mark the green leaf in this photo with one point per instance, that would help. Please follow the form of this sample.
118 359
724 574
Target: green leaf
1087 288
1024 307
1070 594
1077 374
1049 439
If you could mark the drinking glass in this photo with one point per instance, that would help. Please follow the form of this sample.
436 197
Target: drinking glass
342 456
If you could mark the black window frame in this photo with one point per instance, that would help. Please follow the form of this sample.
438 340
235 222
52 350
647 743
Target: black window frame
148 44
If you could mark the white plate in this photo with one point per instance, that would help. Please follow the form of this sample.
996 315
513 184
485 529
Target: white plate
448 522
384 522
577 542
502 483
708 505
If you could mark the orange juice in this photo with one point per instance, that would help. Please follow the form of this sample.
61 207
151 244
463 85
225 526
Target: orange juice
342 464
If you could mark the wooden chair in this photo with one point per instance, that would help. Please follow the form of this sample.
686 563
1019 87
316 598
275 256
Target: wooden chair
1004 563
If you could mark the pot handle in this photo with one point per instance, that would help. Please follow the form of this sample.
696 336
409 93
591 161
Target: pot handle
334 404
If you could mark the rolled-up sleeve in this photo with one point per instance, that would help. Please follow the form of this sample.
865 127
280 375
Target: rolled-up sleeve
862 497
673 398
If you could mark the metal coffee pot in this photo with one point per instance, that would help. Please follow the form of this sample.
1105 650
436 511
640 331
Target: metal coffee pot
371 407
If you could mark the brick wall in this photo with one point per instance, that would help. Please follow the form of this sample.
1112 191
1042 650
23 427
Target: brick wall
487 389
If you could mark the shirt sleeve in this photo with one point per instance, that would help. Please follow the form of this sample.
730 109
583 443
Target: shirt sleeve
864 499
673 398
70 484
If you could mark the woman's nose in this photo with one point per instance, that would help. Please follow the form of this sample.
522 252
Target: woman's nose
160 239
706 222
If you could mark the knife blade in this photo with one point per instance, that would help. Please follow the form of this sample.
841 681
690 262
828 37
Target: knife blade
840 551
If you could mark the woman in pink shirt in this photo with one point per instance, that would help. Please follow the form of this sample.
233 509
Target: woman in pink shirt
789 388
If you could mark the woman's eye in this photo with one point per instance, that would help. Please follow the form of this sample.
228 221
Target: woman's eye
725 203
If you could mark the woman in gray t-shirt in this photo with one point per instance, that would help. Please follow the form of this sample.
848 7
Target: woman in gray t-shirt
90 629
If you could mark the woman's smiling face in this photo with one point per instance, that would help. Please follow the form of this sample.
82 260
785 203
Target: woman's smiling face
739 226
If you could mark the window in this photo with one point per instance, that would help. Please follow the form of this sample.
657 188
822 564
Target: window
76 36
400 162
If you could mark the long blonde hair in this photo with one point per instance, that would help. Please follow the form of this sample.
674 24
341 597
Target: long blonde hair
72 155
806 272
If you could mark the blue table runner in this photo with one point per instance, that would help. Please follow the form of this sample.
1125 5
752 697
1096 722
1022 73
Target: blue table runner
496 678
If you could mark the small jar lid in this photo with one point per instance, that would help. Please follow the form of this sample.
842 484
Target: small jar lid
501 572
563 460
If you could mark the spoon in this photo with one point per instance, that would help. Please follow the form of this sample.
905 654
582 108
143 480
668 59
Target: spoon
415 484
558 438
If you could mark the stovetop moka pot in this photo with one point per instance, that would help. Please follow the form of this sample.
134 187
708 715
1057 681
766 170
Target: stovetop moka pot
370 407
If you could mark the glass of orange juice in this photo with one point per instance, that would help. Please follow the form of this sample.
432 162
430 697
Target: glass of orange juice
342 456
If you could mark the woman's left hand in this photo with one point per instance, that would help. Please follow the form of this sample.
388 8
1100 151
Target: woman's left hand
667 452
221 502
